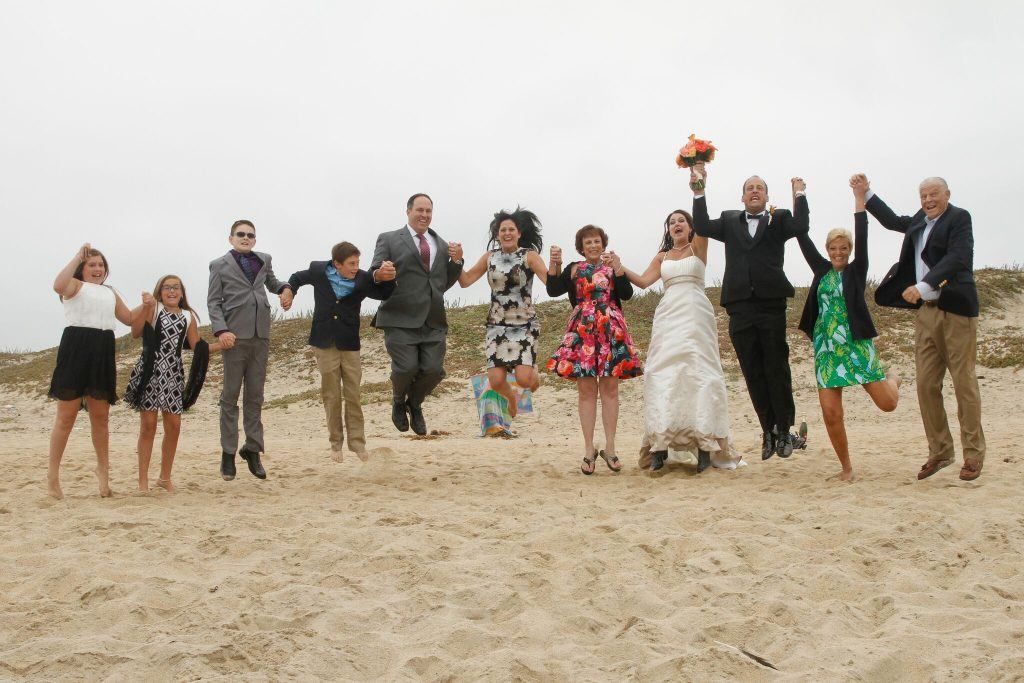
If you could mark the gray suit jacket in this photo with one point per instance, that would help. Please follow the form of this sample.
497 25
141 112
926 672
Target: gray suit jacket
418 298
235 305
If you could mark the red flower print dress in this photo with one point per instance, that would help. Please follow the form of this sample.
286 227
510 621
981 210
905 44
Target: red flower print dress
596 342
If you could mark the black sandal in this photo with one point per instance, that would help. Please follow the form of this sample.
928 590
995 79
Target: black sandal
592 462
612 461
703 460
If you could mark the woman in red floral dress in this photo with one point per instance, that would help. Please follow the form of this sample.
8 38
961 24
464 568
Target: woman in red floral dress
596 350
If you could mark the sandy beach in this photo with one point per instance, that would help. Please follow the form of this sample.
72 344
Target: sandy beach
462 558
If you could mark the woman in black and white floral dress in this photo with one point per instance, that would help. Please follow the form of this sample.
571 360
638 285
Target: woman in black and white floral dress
513 333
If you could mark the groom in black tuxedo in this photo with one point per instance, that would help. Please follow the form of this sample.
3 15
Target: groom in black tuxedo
754 293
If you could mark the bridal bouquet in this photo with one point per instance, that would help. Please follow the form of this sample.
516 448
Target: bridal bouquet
693 152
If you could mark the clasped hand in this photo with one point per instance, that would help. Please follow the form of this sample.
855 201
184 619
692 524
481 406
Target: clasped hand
455 251
386 272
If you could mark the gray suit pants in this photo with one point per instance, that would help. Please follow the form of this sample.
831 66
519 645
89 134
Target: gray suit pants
417 361
245 370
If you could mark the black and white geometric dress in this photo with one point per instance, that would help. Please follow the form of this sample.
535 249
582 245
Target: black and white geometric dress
165 390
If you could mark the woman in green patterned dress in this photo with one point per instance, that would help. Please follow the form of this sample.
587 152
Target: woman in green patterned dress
837 320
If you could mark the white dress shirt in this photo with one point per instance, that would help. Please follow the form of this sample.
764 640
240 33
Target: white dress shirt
431 242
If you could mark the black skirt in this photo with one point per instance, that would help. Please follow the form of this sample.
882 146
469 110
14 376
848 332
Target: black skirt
85 366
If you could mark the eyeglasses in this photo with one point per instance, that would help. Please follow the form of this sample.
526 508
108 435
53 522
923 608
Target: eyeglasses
250 235
171 288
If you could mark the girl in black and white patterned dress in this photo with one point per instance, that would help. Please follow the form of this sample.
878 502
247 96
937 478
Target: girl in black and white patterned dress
513 333
157 383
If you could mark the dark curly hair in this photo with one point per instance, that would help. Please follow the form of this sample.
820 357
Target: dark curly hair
666 237
527 223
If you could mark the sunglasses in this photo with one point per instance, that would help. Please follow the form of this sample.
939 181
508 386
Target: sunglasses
250 235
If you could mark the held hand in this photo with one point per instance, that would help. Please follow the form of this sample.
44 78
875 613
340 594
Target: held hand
227 340
387 272
286 297
798 186
859 184
556 255
148 301
698 178
912 294
455 251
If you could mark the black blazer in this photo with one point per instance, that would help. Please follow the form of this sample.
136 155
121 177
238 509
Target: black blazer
753 265
563 283
949 255
336 321
855 276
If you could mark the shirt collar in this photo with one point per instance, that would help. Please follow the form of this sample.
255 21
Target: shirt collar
933 221
414 233
331 270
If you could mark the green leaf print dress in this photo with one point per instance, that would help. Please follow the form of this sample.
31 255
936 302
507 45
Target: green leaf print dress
839 359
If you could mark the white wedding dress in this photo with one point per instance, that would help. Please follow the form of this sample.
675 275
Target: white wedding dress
686 406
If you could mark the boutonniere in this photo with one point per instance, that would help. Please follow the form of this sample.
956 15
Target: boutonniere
771 213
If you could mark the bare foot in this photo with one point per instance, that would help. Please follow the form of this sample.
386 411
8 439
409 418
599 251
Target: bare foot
104 477
842 475
166 485
53 489
144 486
363 455
337 456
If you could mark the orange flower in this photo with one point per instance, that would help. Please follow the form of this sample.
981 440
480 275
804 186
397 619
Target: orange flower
551 364
564 368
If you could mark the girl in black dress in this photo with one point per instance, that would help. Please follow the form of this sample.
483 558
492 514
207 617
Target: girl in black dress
85 360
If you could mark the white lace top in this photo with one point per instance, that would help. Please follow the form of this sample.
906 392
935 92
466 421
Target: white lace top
93 307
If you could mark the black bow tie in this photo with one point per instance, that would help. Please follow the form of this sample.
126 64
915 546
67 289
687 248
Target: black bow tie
755 218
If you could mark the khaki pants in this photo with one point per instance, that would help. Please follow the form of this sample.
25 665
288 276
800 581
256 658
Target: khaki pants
946 341
340 376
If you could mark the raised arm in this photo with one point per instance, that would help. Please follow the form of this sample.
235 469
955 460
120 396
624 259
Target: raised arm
649 276
703 225
880 210
65 283
124 314
800 223
474 273
537 265
454 265
141 313
859 185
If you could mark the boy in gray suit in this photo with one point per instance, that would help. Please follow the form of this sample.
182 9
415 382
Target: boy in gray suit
240 318
413 318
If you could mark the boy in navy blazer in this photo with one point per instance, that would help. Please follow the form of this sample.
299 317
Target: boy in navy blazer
339 287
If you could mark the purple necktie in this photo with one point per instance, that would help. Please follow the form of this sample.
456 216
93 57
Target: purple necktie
424 252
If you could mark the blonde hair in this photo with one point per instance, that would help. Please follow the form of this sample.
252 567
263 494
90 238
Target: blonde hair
839 234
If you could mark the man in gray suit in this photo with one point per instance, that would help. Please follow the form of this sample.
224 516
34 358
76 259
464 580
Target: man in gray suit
240 318
413 318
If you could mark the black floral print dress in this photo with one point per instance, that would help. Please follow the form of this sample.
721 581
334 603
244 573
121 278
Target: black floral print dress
512 329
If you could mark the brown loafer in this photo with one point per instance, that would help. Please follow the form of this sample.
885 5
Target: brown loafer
971 470
931 467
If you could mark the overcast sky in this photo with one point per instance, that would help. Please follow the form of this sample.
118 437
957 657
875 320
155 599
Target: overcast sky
146 128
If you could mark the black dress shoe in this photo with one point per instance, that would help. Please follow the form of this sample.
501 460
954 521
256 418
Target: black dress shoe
784 445
658 460
703 460
400 417
253 460
227 466
767 445
419 425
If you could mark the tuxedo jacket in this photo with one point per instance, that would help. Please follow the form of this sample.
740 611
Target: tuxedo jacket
753 265
855 277
949 255
418 296
336 321
235 304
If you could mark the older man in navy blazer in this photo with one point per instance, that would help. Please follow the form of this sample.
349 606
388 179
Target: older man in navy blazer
935 275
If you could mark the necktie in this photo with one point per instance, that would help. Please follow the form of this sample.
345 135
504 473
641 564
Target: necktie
248 267
424 252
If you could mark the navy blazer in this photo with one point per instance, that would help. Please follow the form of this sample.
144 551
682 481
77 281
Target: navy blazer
949 255
753 265
855 277
622 289
336 321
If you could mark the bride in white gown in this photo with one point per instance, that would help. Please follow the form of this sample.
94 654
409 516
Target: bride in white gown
686 406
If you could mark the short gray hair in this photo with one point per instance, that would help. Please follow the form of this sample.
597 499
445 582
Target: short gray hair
934 180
